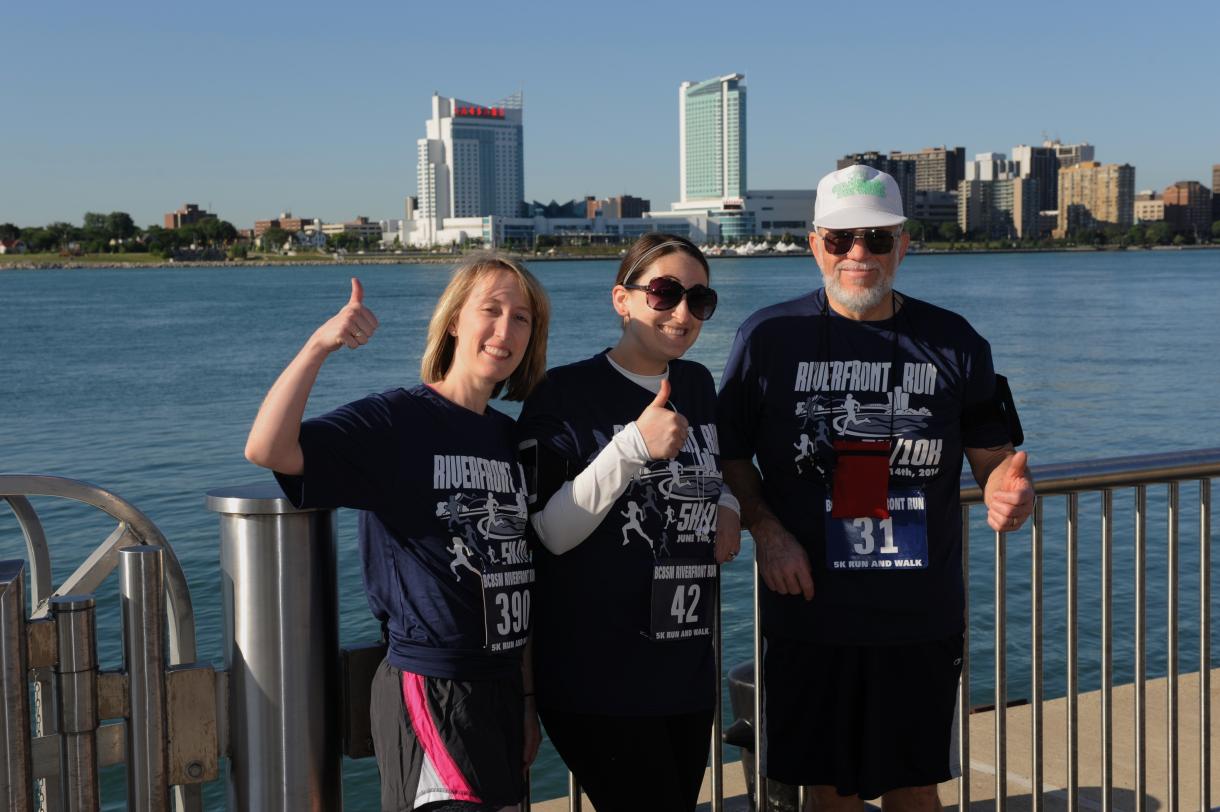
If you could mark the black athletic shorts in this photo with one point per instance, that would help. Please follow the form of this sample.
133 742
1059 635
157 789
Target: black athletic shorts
862 719
441 741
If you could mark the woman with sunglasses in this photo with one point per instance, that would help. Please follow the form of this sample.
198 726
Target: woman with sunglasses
633 518
434 471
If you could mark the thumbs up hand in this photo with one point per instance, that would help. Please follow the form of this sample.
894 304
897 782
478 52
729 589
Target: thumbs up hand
663 429
352 326
1012 500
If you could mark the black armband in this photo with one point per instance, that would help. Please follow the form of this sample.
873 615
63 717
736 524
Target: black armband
545 471
999 409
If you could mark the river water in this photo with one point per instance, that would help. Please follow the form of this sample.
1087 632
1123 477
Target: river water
145 381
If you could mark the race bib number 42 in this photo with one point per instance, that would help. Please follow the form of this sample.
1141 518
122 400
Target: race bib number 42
899 542
683 598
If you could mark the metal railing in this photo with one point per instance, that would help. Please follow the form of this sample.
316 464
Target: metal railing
1070 481
176 719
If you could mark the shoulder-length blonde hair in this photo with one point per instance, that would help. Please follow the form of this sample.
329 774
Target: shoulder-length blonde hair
438 353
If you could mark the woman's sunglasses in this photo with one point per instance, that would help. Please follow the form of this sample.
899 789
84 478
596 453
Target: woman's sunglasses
665 292
878 241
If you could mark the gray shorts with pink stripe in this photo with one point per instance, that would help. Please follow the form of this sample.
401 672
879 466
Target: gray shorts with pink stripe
440 741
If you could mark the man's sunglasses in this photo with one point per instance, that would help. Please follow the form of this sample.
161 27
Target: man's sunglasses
665 292
878 241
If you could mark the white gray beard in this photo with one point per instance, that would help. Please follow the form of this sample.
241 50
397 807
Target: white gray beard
857 301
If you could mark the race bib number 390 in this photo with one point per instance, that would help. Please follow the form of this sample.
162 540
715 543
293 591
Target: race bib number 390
683 598
506 606
866 543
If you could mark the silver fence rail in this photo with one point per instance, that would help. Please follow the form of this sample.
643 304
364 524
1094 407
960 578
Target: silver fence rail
171 720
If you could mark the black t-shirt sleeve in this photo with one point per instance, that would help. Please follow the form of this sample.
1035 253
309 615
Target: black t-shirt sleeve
545 418
739 402
980 387
350 458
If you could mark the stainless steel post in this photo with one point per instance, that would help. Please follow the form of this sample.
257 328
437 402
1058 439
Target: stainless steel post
1107 650
142 598
963 686
1073 631
1205 657
1035 660
17 778
1171 659
76 701
760 778
281 645
1001 679
575 802
1141 656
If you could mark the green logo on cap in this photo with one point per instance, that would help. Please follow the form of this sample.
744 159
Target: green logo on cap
859 186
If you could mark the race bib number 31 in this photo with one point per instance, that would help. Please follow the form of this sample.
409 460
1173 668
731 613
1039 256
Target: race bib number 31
899 542
683 598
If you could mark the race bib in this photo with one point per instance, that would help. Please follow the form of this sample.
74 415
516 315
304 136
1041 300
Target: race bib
506 604
683 598
867 543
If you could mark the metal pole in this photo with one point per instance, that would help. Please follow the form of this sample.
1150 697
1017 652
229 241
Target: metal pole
142 591
1141 650
1205 602
717 714
76 701
1107 650
760 781
575 803
281 645
1035 581
1001 680
1171 688
963 690
1073 643
17 779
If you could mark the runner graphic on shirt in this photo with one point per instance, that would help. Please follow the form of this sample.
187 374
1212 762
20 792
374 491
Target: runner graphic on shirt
634 514
461 558
805 450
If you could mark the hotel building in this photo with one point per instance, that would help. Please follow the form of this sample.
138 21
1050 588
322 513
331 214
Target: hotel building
470 164
712 141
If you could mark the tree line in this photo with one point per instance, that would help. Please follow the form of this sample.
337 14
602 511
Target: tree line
117 233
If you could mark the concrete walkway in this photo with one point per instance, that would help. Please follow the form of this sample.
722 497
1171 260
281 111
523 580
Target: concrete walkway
1054 756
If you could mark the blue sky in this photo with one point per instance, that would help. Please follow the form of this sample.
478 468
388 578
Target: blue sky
252 108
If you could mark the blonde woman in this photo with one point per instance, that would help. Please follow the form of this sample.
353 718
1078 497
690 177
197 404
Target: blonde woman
447 573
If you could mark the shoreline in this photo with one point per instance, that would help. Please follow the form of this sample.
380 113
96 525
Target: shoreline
455 258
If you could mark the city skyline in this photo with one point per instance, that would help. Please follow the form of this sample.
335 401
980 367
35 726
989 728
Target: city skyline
253 111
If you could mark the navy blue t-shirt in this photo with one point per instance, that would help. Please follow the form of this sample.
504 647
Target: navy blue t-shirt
441 531
597 648
800 377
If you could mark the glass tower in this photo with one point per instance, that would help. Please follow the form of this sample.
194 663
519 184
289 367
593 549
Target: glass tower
712 138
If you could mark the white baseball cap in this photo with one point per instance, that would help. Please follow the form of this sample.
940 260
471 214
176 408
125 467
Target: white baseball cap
857 196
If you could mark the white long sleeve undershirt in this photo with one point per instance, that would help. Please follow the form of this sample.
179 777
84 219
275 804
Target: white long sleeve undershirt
579 506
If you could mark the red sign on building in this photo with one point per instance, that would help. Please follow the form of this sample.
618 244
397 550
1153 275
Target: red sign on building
479 112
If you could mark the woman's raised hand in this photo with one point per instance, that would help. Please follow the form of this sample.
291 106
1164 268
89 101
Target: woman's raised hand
664 430
352 326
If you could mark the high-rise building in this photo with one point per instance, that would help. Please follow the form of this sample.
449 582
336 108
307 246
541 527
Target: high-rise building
712 139
990 166
1215 192
1093 194
1070 154
471 161
1000 207
1041 164
1188 207
937 169
902 170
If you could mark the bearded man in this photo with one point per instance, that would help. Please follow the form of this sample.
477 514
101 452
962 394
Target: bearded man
861 551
